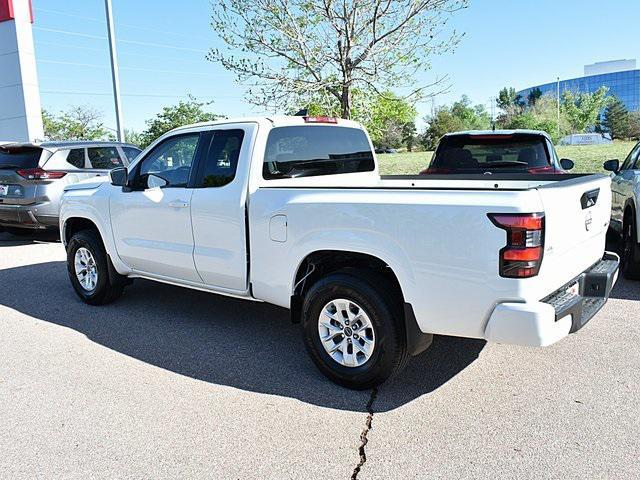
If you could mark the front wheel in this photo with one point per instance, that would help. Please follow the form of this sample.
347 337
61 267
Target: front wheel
352 328
88 268
630 262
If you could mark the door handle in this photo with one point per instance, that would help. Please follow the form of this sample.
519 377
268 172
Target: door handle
179 204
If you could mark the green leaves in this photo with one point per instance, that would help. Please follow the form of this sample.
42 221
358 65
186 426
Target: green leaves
617 120
184 113
298 52
79 122
582 110
457 117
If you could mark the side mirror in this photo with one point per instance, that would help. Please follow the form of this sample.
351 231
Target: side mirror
118 177
567 164
612 166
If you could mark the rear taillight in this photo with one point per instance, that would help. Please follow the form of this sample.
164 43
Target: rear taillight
522 256
435 171
542 170
40 174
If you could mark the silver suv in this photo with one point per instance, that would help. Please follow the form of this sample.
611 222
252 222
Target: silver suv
33 177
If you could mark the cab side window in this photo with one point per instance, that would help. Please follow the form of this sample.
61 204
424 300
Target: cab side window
105 158
631 159
636 165
169 163
76 157
131 153
222 158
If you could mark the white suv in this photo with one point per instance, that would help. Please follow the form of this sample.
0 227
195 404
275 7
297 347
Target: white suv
33 178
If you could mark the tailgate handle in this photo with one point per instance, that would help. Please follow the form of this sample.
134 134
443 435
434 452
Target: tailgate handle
589 198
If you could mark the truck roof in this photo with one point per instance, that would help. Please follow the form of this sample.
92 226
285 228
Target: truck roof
498 132
274 120
67 144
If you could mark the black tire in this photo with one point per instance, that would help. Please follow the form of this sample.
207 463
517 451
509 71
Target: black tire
106 290
370 291
630 261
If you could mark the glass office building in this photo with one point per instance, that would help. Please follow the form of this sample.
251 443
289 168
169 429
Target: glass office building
625 85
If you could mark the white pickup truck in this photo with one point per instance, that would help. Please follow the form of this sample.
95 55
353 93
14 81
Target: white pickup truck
292 211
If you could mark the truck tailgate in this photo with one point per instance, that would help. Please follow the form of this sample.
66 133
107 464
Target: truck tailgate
577 214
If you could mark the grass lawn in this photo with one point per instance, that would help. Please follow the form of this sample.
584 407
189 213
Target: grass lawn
588 158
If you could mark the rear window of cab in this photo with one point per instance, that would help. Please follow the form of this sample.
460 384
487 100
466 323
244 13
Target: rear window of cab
481 152
308 151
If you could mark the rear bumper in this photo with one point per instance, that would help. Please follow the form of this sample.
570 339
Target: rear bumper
26 216
554 317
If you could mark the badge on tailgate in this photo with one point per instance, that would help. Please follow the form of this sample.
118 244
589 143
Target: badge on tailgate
588 220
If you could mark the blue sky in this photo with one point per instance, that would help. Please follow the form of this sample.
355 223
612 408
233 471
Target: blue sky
162 45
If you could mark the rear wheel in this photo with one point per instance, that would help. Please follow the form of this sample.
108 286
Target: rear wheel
630 262
88 268
353 329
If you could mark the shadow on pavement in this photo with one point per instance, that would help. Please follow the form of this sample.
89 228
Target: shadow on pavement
626 289
246 345
28 238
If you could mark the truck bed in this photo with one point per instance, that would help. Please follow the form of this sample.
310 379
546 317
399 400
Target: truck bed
434 233
503 181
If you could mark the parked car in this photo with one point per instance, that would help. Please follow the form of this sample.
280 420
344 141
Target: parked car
386 150
504 151
292 211
33 177
625 212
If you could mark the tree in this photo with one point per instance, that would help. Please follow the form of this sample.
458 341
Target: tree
390 120
409 135
509 100
387 117
296 52
473 117
583 110
534 96
79 122
133 137
184 113
634 125
543 115
616 119
510 103
459 116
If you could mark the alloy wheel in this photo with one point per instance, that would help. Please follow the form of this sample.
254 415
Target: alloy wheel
346 332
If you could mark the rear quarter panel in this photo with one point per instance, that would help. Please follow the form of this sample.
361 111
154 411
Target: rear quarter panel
440 244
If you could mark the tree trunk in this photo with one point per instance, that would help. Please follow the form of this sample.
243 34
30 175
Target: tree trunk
345 103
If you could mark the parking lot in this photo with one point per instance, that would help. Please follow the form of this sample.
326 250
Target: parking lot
169 382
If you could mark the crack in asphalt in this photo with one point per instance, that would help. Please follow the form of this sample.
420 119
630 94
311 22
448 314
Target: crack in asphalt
363 435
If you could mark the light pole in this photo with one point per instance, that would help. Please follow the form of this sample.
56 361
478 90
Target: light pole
114 70
492 102
558 102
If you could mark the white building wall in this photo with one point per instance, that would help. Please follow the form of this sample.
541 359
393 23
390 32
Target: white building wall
20 110
600 68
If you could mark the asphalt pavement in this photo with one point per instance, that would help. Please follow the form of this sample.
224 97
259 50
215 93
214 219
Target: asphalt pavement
173 383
